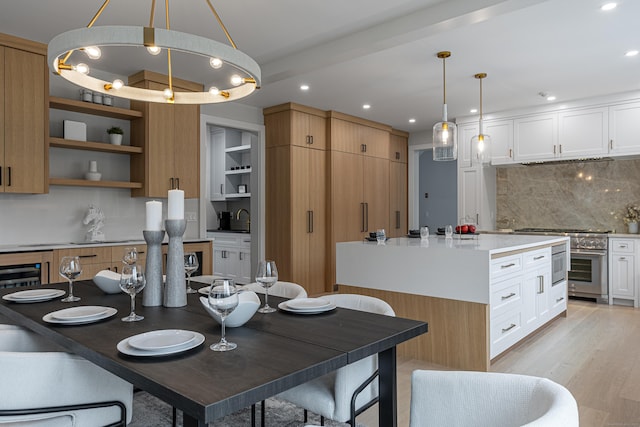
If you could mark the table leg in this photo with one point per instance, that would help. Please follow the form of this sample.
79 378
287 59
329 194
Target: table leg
189 421
388 405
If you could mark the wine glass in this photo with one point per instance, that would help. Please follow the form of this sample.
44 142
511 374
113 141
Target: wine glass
190 265
130 256
267 276
70 269
223 299
132 281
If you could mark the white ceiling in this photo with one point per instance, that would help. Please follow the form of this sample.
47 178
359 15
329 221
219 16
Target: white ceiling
382 52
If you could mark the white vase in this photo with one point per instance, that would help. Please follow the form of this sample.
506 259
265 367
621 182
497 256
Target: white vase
115 138
633 227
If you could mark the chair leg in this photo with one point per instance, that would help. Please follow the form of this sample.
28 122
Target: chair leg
262 414
305 416
253 415
321 420
174 422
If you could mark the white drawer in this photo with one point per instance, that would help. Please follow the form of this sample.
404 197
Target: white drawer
504 266
506 330
505 296
558 298
537 258
622 245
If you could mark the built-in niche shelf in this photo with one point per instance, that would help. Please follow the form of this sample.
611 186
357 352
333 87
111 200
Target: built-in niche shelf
96 110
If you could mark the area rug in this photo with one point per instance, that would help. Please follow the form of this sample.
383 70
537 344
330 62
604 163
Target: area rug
149 411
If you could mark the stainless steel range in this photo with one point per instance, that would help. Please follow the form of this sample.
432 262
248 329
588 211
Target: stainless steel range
587 277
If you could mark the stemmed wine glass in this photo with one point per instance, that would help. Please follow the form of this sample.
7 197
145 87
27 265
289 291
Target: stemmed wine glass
223 299
70 269
267 276
190 265
130 256
132 281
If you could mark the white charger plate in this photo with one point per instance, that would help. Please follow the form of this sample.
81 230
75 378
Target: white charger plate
49 318
161 339
284 307
82 312
308 304
34 295
204 291
125 348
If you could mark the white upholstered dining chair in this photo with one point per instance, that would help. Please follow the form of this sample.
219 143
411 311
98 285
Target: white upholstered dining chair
336 396
280 289
44 386
457 399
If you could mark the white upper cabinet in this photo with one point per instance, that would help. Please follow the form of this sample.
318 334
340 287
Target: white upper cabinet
501 133
466 131
624 129
535 138
583 133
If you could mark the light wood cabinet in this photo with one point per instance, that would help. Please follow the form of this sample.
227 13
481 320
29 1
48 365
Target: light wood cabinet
24 116
294 124
296 200
170 134
92 259
353 135
398 184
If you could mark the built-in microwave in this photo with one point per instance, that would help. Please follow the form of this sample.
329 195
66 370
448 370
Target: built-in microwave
558 263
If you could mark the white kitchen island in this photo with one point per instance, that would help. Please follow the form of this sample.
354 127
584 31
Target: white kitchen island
480 295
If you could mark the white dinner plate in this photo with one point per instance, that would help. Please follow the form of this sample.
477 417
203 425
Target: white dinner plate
125 348
308 304
34 295
82 312
284 306
205 291
162 339
50 318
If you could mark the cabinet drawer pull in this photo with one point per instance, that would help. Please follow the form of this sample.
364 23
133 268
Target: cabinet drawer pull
538 257
9 178
508 296
88 256
622 258
513 325
622 246
559 299
508 265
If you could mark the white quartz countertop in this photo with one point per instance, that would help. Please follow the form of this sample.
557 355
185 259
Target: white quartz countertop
491 243
32 247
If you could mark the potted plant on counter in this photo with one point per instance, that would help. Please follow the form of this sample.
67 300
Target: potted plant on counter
632 217
115 135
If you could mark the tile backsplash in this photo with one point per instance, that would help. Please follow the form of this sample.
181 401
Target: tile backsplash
589 195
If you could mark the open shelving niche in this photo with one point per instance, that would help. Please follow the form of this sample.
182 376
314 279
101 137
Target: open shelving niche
96 110
231 149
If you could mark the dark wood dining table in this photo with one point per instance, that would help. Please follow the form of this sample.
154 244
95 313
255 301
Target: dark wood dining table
276 351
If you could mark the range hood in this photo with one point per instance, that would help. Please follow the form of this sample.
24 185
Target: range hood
557 162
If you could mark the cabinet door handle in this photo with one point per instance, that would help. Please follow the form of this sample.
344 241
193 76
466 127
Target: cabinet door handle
508 265
397 219
559 299
171 184
535 258
540 284
554 149
177 183
366 217
397 155
362 217
0 175
560 148
477 219
221 191
240 256
508 296
510 153
311 221
310 139
9 179
308 221
611 144
88 256
513 325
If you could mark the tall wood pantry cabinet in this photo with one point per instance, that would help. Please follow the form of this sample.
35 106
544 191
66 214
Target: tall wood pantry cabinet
171 138
398 184
296 194
359 180
24 116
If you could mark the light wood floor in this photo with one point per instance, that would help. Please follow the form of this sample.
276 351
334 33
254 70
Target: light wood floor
594 352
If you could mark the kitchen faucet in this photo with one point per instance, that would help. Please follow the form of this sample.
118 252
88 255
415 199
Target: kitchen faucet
248 218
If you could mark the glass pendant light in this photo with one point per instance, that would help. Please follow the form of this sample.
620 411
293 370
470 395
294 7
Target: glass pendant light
481 143
445 135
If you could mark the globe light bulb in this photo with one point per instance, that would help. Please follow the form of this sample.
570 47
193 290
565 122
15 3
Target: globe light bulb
93 52
215 63
236 80
117 84
214 91
153 50
168 93
82 68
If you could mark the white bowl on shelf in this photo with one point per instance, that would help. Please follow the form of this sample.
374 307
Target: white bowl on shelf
247 307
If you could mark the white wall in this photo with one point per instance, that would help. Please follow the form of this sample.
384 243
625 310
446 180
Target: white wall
57 217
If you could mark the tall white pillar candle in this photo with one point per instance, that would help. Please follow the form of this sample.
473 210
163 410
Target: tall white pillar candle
154 216
176 204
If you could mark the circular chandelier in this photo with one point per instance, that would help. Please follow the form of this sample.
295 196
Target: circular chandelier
91 39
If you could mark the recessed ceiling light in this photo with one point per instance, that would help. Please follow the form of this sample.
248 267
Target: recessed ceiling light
551 98
304 87
631 53
608 6
366 106
473 110
412 120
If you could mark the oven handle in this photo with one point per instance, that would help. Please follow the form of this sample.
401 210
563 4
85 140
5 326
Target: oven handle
588 252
